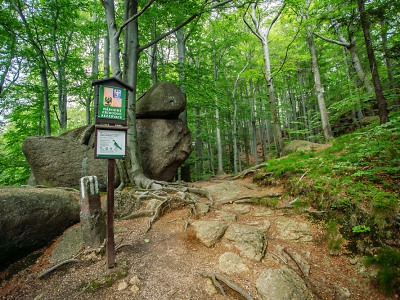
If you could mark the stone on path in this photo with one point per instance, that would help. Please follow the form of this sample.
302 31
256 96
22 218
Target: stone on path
209 232
249 240
288 229
282 284
231 263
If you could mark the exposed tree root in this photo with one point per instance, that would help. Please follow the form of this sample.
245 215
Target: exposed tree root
300 271
248 199
138 214
166 200
249 171
216 277
156 215
72 260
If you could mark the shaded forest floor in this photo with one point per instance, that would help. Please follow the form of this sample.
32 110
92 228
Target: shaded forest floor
168 261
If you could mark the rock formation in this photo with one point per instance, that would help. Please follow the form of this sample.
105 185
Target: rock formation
164 144
32 217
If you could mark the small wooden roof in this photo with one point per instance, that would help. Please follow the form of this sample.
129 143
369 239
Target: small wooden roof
113 82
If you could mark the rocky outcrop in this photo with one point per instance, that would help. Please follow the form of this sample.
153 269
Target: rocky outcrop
164 140
303 146
62 161
32 217
164 144
163 101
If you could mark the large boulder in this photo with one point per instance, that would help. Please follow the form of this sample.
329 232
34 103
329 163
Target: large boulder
31 217
163 146
303 146
163 101
63 160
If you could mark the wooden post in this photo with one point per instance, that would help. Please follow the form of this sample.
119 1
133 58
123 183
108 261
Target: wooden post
110 214
93 221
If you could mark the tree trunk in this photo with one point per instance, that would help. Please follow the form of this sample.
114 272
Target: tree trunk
262 35
253 124
180 37
386 53
113 38
106 56
152 57
199 141
326 127
46 101
218 137
382 105
135 172
235 151
94 74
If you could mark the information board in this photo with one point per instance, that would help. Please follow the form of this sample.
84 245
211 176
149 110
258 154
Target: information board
110 143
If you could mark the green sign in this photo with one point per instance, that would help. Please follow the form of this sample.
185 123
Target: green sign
112 103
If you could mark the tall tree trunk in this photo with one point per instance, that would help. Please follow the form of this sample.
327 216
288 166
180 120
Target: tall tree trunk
181 40
386 53
46 101
199 145
357 66
326 127
217 118
382 105
235 134
253 124
152 57
113 38
262 34
106 58
94 74
218 137
135 172
235 122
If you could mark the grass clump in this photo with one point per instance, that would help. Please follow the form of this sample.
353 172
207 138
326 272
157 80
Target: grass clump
357 176
388 262
108 280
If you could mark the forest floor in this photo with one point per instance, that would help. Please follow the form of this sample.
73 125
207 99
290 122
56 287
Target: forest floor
168 262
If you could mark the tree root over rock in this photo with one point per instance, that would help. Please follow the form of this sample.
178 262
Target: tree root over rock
216 278
183 195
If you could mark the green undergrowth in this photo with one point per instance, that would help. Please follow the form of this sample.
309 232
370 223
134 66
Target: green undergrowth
105 281
355 183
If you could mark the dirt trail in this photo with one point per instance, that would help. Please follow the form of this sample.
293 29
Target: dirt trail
167 262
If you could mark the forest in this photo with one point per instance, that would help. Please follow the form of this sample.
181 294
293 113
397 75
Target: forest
256 74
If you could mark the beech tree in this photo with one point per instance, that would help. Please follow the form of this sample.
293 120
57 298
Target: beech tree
129 69
262 31
382 105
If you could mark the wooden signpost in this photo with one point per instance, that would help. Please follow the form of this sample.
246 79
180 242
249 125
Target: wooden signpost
111 96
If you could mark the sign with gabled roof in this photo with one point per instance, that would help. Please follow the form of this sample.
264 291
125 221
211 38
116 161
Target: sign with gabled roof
111 97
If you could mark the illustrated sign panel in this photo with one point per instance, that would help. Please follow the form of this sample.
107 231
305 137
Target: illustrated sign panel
112 104
110 143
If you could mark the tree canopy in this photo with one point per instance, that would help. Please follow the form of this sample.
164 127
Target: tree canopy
250 86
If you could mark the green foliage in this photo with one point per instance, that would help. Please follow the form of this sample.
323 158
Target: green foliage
357 176
388 262
108 280
361 228
334 238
